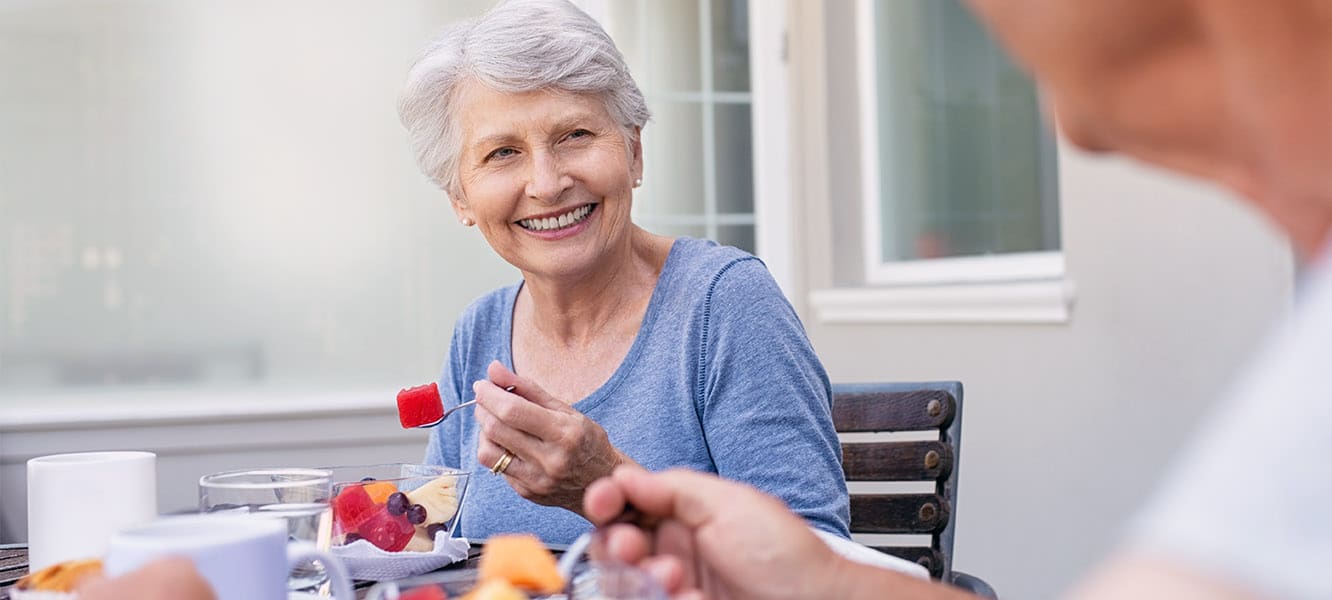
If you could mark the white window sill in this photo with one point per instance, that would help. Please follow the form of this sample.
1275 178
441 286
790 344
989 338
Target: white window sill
1044 301
44 410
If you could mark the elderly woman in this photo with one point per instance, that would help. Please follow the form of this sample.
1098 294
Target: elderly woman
620 346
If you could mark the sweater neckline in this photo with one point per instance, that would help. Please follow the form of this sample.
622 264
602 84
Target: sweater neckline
599 395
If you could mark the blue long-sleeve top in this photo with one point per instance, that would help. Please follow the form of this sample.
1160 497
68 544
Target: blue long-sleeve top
721 378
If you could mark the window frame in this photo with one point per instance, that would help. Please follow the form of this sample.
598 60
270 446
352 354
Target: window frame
990 269
765 20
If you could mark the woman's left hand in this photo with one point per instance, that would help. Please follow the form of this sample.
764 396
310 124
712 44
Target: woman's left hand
557 451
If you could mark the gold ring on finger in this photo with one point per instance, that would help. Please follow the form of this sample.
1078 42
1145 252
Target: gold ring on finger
502 463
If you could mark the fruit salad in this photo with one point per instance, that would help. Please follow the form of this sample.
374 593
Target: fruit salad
395 520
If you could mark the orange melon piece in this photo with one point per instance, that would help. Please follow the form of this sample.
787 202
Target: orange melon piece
379 491
494 589
522 561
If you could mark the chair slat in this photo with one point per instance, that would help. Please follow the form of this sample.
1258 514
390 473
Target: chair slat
924 556
10 559
914 410
898 513
929 460
11 576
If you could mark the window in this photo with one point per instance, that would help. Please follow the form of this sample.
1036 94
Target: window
691 59
218 195
959 168
959 219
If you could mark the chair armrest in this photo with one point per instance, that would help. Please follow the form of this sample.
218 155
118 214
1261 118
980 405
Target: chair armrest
973 584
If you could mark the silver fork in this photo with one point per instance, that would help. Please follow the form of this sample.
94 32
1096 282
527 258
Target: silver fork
453 410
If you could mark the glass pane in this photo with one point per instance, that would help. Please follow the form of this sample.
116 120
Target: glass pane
673 160
178 209
673 46
963 153
735 159
626 17
740 236
730 45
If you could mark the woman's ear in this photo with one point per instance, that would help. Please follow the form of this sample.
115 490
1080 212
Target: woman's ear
461 209
636 155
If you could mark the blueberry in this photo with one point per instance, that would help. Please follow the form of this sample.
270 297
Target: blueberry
416 515
435 528
397 503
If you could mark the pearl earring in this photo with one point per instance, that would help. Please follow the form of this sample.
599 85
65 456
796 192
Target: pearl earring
467 222
638 182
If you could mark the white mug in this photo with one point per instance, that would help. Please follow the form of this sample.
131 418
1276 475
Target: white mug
77 501
243 557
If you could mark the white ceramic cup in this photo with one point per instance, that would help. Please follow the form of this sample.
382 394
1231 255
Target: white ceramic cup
243 557
77 501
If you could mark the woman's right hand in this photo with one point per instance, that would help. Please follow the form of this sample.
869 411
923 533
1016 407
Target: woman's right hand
556 451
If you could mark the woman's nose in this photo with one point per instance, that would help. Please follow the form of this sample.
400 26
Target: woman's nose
548 181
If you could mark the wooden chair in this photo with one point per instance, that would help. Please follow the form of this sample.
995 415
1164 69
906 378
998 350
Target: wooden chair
936 409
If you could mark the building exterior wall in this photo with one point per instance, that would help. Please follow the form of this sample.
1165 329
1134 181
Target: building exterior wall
1067 425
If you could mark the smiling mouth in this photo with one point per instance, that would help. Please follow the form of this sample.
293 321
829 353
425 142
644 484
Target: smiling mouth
568 219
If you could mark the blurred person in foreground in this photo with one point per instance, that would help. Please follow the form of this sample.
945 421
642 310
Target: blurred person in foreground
1234 91
621 345
171 578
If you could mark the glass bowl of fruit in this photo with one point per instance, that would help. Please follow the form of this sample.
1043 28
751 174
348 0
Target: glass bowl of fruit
397 507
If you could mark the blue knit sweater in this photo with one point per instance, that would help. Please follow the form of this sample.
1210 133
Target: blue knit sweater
721 379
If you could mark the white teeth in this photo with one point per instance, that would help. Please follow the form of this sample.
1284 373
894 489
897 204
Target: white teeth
560 222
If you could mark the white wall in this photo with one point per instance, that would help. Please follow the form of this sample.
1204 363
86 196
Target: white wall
1066 426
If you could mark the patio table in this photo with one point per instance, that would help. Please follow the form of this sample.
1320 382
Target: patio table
14 564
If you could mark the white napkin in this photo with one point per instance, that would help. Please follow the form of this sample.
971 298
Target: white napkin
868 556
368 562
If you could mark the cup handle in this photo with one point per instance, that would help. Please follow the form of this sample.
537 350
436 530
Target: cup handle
337 572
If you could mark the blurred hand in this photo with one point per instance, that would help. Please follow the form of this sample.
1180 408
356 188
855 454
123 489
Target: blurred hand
716 539
557 451
165 579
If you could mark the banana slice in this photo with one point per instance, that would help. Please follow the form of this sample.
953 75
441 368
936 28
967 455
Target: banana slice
439 497
420 542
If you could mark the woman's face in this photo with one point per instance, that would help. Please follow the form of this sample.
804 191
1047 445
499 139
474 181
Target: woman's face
547 176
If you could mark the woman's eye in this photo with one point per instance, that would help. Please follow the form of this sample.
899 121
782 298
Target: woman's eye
578 133
501 153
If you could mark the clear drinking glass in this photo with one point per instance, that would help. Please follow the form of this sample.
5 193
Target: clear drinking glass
297 495
614 581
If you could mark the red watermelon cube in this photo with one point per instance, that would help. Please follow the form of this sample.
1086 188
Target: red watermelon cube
419 406
429 592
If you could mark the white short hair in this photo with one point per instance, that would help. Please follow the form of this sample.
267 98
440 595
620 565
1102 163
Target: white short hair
517 46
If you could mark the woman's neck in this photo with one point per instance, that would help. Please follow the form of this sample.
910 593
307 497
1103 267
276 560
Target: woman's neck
574 311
